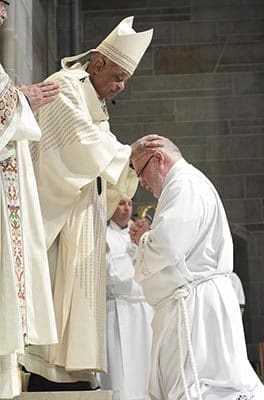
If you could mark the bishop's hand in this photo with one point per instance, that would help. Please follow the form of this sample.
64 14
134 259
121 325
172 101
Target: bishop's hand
146 144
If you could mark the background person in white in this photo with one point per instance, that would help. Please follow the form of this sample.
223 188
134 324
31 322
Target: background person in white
183 264
129 316
26 307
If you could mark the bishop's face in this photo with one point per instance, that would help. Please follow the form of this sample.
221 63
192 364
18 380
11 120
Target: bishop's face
3 12
109 79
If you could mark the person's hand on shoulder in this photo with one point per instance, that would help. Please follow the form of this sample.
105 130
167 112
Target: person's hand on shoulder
41 93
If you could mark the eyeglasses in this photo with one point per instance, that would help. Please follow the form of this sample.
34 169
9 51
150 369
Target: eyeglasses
139 173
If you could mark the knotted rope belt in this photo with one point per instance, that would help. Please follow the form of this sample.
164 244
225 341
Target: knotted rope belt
180 295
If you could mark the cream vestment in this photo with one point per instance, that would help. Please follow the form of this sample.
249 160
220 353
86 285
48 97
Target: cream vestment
78 164
184 263
26 306
129 317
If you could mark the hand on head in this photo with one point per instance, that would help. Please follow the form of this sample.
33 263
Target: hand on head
41 93
146 145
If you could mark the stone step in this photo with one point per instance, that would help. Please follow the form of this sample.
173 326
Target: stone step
81 395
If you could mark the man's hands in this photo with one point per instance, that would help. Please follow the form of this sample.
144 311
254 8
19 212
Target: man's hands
137 229
146 144
41 93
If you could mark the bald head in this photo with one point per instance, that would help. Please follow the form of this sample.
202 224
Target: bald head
153 163
169 148
162 144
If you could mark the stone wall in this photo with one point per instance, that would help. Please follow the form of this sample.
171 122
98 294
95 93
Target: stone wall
201 84
68 28
44 38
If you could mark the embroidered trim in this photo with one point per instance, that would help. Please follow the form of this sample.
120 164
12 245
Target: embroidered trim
9 171
8 101
121 58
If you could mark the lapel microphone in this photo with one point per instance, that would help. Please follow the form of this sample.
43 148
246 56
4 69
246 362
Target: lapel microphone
99 185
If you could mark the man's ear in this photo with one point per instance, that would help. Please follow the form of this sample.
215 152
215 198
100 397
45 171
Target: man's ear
99 64
159 155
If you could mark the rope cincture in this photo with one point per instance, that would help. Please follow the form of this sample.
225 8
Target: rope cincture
179 295
183 310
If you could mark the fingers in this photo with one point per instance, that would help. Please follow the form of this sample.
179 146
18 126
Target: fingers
47 85
48 99
139 223
132 233
50 93
136 233
48 88
152 136
154 143
146 144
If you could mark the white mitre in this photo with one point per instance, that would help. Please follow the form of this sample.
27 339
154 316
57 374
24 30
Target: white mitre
124 46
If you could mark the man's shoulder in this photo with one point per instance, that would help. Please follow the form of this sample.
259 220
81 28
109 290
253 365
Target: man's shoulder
68 76
186 173
193 174
190 177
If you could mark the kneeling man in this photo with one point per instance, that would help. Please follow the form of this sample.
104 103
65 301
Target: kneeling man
184 263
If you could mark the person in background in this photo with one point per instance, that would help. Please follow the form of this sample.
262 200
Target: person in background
129 316
26 306
183 264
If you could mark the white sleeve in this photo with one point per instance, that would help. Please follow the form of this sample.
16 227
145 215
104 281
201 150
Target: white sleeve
174 231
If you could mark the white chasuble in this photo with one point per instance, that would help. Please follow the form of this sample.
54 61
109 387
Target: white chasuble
129 317
77 159
184 263
26 306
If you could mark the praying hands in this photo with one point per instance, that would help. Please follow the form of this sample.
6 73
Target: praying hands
137 229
